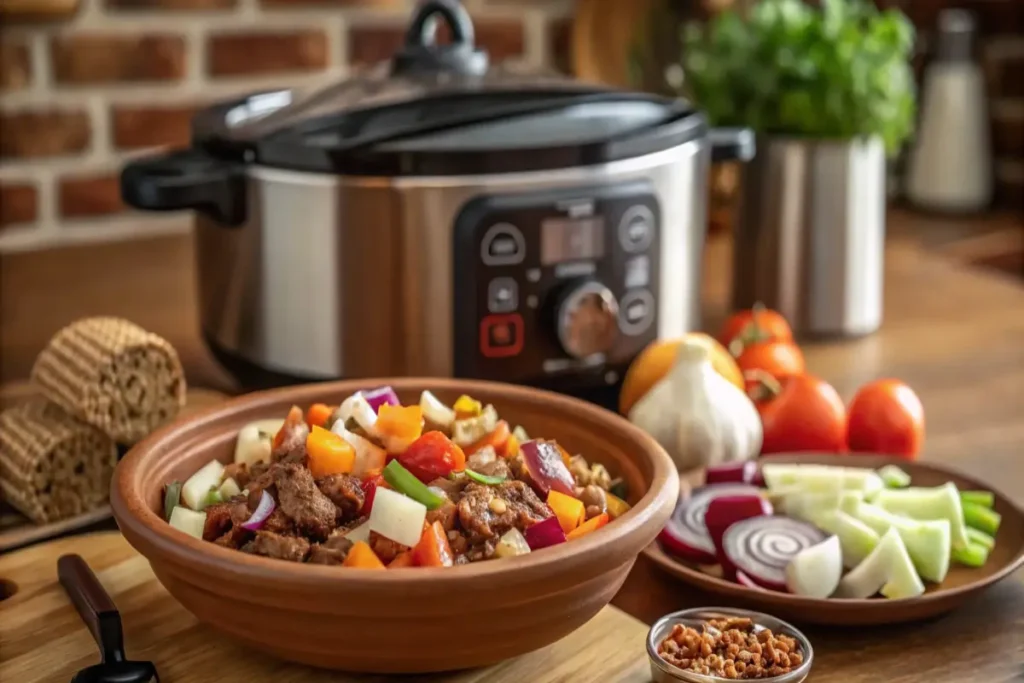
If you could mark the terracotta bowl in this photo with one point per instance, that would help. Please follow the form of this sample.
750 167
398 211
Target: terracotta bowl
419 621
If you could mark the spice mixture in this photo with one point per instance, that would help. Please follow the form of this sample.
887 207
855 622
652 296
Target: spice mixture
730 648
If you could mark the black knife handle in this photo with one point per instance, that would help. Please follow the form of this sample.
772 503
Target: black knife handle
93 604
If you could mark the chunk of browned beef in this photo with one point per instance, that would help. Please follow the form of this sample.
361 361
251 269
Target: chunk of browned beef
452 487
332 551
269 544
457 542
495 468
291 448
385 548
487 512
258 482
481 551
297 495
239 471
346 492
218 521
445 514
224 523
279 523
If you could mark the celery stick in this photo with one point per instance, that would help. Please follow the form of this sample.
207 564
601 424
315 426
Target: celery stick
974 555
983 498
940 502
982 518
893 477
981 538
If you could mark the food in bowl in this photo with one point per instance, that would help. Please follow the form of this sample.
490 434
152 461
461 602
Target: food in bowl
373 484
731 648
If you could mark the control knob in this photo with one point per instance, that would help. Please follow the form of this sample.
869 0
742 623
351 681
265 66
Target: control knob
587 319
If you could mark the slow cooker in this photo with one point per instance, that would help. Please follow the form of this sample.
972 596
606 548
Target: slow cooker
435 216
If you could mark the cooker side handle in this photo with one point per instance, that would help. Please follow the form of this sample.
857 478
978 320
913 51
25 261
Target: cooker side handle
732 144
186 179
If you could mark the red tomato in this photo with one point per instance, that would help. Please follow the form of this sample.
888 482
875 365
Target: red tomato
431 456
369 492
886 416
779 359
757 324
806 415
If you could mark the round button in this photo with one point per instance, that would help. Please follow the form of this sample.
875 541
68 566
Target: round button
636 312
588 319
636 228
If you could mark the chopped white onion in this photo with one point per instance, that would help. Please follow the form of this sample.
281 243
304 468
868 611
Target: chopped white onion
195 489
435 412
254 441
189 521
359 533
369 456
471 429
229 489
397 517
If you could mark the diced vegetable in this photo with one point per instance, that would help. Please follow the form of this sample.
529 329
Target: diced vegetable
569 511
544 463
402 560
294 423
328 453
982 518
229 489
467 407
544 534
484 456
263 510
983 498
520 434
747 472
404 482
928 542
433 549
368 455
685 535
398 426
212 498
888 569
893 477
511 544
940 502
980 538
496 439
398 517
435 412
361 556
466 431
856 538
172 497
381 396
195 488
815 572
903 581
566 457
761 547
318 415
369 487
616 506
974 555
589 526
821 478
253 444
724 511
189 521
359 533
432 456
356 408
484 478
808 506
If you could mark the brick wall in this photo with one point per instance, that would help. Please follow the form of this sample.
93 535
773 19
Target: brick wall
79 97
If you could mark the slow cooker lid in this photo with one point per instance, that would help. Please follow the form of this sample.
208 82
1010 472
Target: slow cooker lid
440 109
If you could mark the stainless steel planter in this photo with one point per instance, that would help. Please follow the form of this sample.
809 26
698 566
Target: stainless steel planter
810 234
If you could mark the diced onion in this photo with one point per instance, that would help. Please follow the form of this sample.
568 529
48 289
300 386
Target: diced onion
369 456
511 544
472 429
254 441
357 408
544 534
359 533
397 517
189 521
261 513
195 489
379 396
229 489
435 412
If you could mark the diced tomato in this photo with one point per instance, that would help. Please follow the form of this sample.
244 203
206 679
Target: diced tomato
431 456
433 549
318 414
497 439
370 485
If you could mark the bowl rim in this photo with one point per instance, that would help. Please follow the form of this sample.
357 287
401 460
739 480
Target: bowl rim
705 582
137 520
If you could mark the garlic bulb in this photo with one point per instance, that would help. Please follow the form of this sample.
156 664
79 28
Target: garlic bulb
698 416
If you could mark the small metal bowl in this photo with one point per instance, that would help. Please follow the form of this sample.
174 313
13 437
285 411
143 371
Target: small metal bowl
663 672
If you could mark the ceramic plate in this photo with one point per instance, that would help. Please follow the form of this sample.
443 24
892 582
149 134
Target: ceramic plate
961 583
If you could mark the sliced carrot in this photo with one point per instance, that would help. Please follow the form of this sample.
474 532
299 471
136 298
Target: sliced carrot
569 511
404 422
496 439
318 414
402 560
433 550
361 556
588 526
328 453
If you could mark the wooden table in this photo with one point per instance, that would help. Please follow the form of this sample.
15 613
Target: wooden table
955 335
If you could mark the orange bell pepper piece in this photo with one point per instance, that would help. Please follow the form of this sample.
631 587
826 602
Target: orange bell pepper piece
588 526
318 414
402 560
511 447
497 439
328 453
403 422
569 511
294 417
616 506
433 550
361 556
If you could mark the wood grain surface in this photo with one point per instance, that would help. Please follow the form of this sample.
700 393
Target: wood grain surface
42 639
955 334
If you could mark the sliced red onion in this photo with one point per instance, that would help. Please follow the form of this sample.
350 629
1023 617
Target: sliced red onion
379 396
744 580
761 547
735 472
544 534
260 514
723 512
546 467
686 536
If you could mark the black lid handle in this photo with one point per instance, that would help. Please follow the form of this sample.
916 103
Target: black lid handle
422 54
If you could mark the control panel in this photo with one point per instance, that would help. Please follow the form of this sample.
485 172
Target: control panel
556 289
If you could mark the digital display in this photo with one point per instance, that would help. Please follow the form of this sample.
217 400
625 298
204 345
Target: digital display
571 239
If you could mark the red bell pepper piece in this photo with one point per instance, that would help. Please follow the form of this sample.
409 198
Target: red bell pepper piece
433 550
369 486
432 456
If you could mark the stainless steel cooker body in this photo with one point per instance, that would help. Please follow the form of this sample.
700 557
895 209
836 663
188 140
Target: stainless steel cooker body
342 276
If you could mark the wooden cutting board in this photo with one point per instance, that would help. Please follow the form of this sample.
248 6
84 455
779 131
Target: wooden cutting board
42 638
